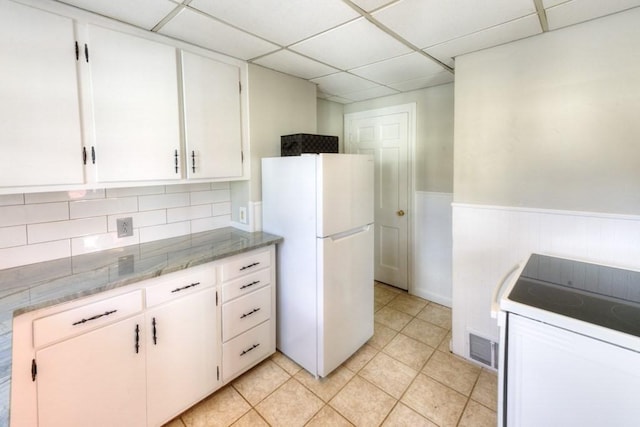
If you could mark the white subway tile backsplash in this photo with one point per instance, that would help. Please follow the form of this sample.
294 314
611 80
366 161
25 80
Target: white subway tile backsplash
221 209
187 213
29 254
13 236
46 232
100 242
206 224
140 219
157 232
185 188
88 208
11 199
32 214
213 196
63 196
135 191
163 201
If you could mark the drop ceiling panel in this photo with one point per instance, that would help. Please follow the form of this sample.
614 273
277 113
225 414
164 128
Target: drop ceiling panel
550 3
425 23
340 83
434 80
351 45
370 5
573 12
198 29
374 92
141 13
291 63
510 31
283 22
398 69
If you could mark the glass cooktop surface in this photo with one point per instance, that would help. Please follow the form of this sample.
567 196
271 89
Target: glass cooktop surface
601 295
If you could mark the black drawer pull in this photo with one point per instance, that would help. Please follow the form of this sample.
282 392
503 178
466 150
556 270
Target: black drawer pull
97 316
185 287
155 336
249 349
249 266
250 284
255 310
137 338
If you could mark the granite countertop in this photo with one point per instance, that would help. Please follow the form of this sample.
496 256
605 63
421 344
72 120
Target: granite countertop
43 284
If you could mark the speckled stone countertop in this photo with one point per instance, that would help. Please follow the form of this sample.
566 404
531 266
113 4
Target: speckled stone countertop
43 284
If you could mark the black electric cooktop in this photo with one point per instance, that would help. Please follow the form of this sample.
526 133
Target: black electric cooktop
597 294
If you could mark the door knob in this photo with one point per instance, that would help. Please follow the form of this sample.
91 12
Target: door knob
400 213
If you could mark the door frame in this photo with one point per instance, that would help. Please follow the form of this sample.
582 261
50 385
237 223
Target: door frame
410 109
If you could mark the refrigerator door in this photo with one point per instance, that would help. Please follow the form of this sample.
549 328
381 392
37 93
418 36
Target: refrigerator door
345 296
345 192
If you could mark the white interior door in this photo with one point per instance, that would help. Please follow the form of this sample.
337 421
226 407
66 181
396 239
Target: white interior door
385 134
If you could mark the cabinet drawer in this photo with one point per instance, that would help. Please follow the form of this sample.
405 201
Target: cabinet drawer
244 264
245 284
245 313
175 285
84 318
245 350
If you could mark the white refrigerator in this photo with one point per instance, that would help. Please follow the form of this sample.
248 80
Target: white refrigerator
322 204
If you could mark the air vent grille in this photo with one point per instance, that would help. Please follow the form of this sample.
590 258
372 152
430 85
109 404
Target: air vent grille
483 350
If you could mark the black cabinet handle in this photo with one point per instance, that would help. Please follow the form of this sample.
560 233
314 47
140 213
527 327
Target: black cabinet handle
137 338
155 337
249 349
255 282
193 161
34 370
97 316
249 266
93 155
86 52
77 51
185 287
84 155
175 155
255 310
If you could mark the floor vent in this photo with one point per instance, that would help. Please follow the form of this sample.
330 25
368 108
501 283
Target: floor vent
483 350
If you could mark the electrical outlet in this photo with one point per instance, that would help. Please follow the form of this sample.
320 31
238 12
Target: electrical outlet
125 226
243 215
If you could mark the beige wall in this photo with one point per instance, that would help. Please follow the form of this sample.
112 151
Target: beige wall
553 121
331 120
434 133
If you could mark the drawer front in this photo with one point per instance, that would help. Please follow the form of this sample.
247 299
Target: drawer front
246 284
247 349
245 264
244 313
84 318
175 285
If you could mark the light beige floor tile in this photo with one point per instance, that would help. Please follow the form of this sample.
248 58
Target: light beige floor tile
391 318
425 332
477 415
382 335
407 304
434 401
285 363
377 306
328 416
290 405
409 351
176 422
486 389
221 409
383 294
260 381
403 416
445 345
360 358
388 374
437 314
362 403
251 419
452 371
325 388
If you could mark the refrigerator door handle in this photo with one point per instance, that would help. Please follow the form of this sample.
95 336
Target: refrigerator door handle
349 233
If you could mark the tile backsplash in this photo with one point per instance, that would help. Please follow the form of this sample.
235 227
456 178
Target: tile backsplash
38 227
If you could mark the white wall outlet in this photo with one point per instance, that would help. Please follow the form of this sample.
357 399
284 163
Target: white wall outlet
125 227
242 215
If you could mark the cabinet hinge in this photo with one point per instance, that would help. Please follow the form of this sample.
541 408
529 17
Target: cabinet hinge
34 370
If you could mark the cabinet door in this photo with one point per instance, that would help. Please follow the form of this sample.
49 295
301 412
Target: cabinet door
211 96
96 379
40 135
134 84
183 354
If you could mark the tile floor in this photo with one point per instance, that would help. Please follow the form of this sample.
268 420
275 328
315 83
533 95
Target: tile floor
404 376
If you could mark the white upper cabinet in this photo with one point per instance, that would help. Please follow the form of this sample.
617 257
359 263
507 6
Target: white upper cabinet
212 117
134 86
40 133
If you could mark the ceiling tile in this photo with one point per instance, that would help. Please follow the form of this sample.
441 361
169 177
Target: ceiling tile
196 28
398 69
338 83
425 23
283 22
573 12
370 5
374 92
510 31
434 80
351 45
550 3
340 99
291 63
141 13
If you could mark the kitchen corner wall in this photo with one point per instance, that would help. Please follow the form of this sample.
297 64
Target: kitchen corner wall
37 227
